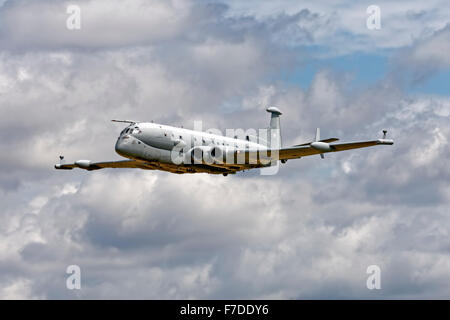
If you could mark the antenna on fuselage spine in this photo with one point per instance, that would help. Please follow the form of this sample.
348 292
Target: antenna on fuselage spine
126 121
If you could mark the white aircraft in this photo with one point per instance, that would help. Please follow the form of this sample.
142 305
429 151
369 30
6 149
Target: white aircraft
153 146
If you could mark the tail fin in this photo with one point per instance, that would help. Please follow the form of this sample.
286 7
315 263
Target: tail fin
274 127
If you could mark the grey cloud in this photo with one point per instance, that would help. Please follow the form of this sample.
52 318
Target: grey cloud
426 57
27 25
340 27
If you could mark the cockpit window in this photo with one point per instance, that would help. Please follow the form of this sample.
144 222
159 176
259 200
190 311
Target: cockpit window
126 130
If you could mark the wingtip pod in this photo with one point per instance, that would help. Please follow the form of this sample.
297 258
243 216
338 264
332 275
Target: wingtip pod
61 163
62 167
385 141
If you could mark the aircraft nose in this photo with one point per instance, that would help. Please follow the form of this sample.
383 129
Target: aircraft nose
119 146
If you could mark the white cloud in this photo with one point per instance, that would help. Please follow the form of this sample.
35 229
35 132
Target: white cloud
308 232
425 154
18 290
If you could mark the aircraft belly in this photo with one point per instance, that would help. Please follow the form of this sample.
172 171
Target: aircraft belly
165 156
151 153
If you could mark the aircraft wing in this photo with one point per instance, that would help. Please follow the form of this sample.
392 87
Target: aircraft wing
310 149
323 147
88 165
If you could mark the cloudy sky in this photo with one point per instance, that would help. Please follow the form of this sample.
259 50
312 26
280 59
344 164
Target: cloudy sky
310 231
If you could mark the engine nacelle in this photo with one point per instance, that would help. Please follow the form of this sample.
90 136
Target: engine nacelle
209 155
217 154
197 155
179 143
223 155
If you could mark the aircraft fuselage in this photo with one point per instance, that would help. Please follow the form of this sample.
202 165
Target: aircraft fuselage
157 143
